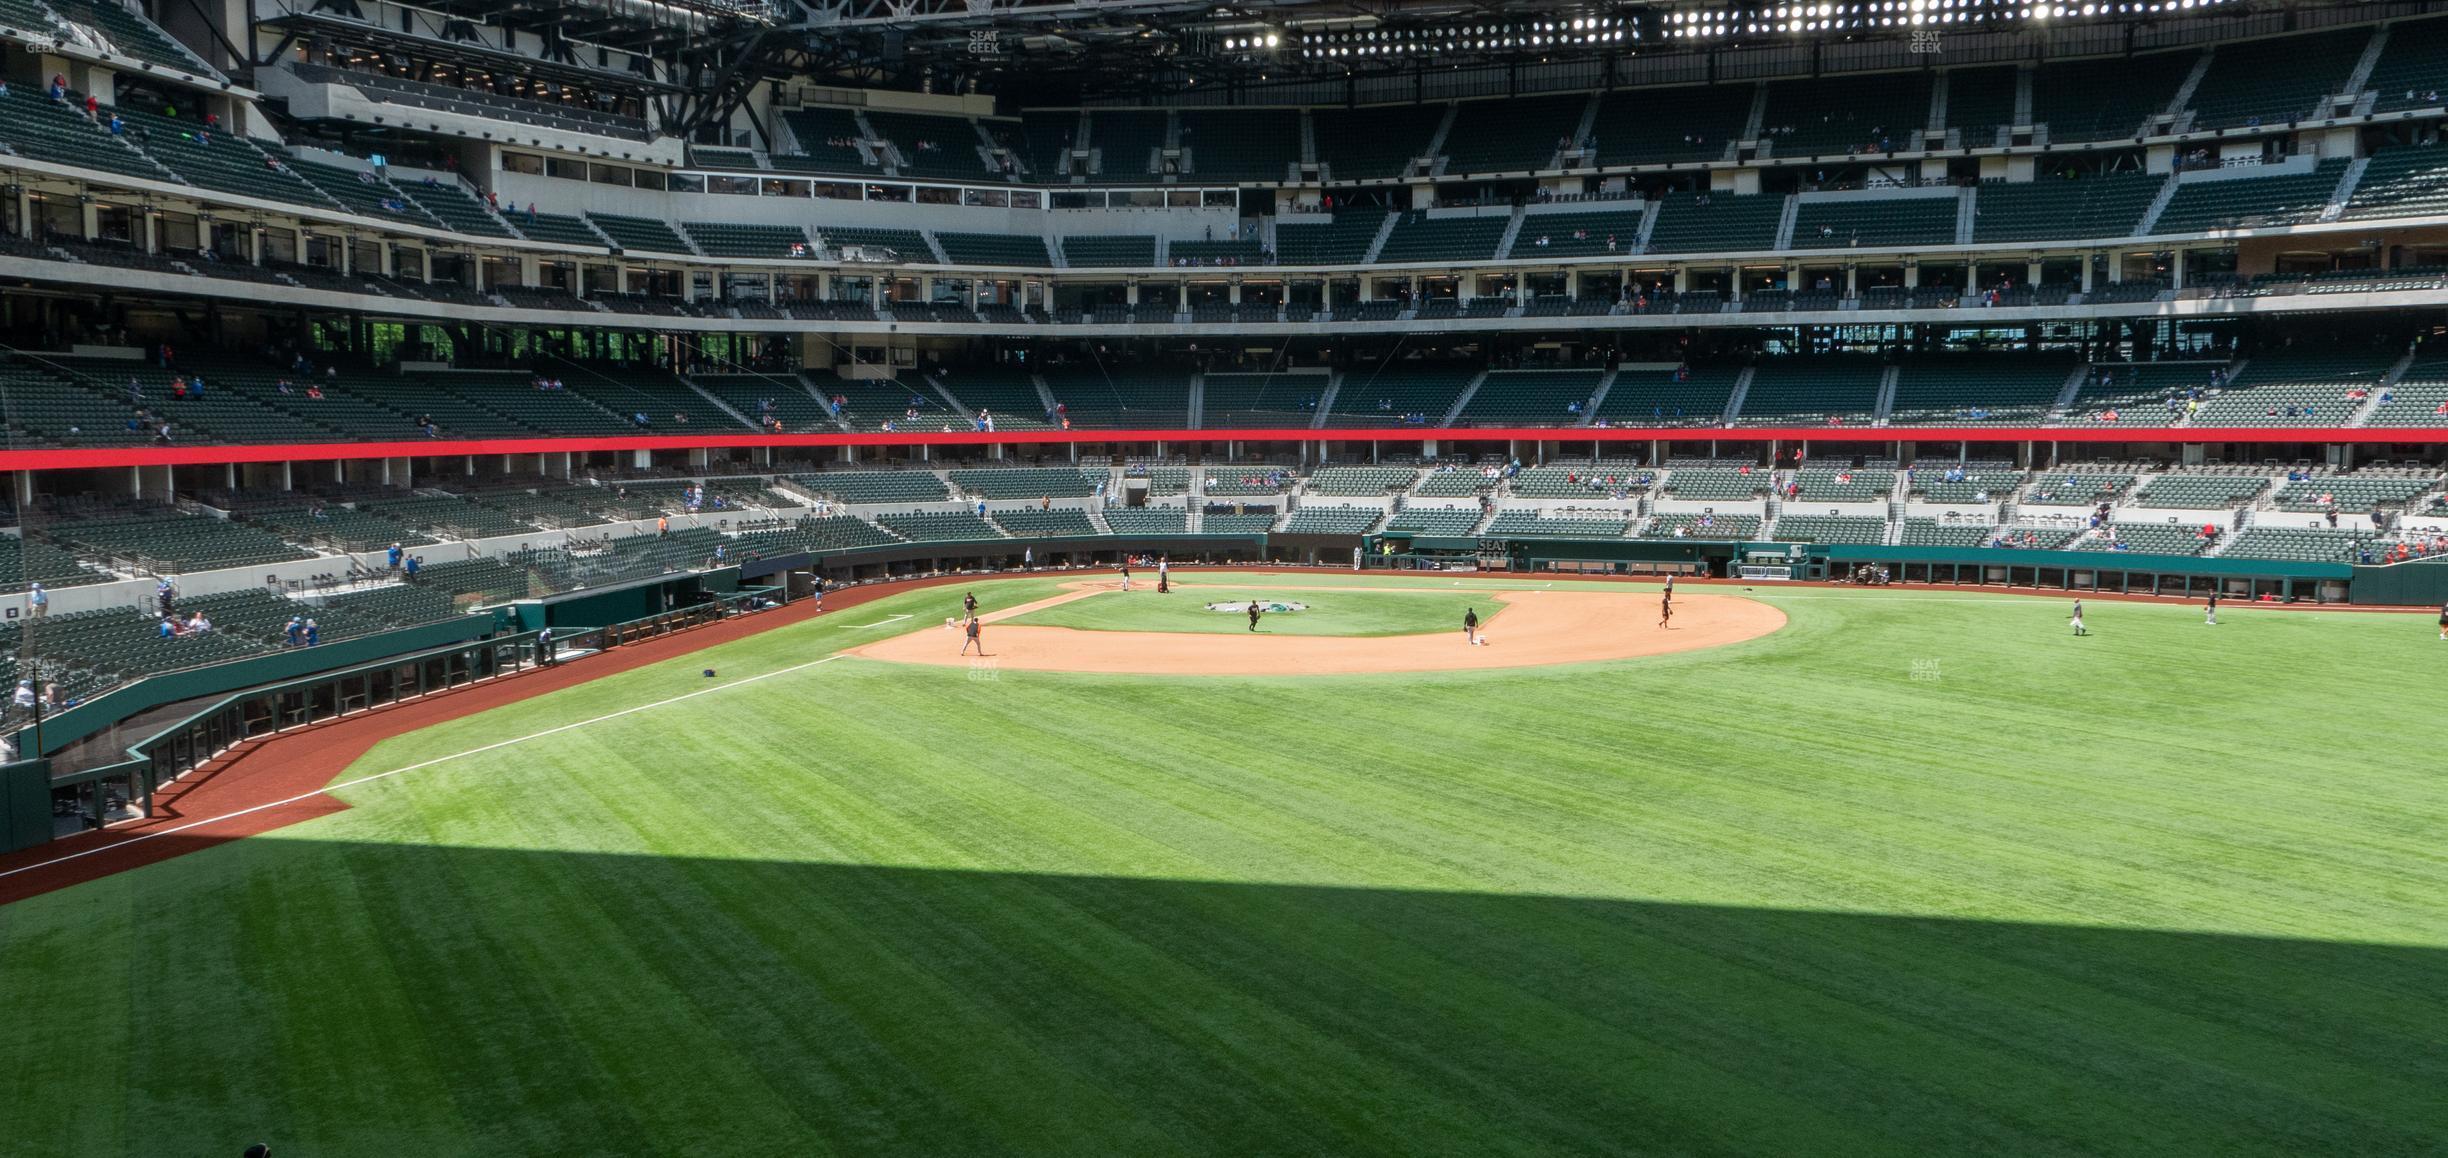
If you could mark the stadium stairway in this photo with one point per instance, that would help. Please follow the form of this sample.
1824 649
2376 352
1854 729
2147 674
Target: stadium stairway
1606 382
1734 401
1463 399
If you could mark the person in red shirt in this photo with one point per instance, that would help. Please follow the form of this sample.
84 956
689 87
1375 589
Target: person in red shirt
93 107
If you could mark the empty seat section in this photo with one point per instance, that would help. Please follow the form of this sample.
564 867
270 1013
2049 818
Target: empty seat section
933 146
1511 135
1847 114
1683 525
2108 205
455 207
640 233
1980 102
828 142
1342 240
553 227
1023 249
1977 388
2275 81
1024 482
361 190
2303 388
2199 490
169 543
875 486
1125 144
2109 99
1714 222
1383 395
1011 397
730 239
939 527
215 159
1373 143
2145 539
1577 234
870 403
1360 481
1419 237
1029 522
2251 202
1665 397
33 127
2402 183
1109 250
1647 126
1812 391
1875 221
1330 519
748 393
2300 544
1531 398
1122 397
2413 67
2418 398
1434 521
1261 400
1519 523
1829 529
906 244
1242 145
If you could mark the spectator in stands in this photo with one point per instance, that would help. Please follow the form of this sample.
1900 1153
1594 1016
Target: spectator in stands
59 89
169 629
118 128
393 556
314 634
415 564
38 599
163 435
314 391
23 697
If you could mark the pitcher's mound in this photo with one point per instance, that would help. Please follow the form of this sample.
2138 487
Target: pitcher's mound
1539 628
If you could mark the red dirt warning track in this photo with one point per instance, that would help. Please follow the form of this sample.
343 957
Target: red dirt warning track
1537 628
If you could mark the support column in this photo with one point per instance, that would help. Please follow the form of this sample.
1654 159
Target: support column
2177 269
91 211
152 232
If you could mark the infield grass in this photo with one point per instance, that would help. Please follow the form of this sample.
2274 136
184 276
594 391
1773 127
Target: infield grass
1920 873
1326 611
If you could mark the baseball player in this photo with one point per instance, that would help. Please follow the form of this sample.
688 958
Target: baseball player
1253 614
973 639
1164 576
2079 629
969 604
1470 626
1666 609
2444 622
1126 574
2210 611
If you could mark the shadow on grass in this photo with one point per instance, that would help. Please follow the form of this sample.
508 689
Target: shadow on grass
583 1002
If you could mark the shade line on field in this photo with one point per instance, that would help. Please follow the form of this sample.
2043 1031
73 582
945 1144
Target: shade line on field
368 779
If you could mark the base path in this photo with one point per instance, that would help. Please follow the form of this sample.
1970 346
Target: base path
1537 628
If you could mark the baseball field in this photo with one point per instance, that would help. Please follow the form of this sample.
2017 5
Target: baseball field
1857 872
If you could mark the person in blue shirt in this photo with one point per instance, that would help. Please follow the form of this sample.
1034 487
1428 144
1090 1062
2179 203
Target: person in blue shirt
296 630
314 635
415 562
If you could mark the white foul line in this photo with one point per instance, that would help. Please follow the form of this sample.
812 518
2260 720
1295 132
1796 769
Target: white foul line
330 788
878 623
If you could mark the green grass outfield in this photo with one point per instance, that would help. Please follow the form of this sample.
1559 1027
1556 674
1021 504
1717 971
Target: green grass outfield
1920 873
1355 612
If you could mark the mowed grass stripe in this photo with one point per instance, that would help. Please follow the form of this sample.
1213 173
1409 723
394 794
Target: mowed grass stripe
1801 895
